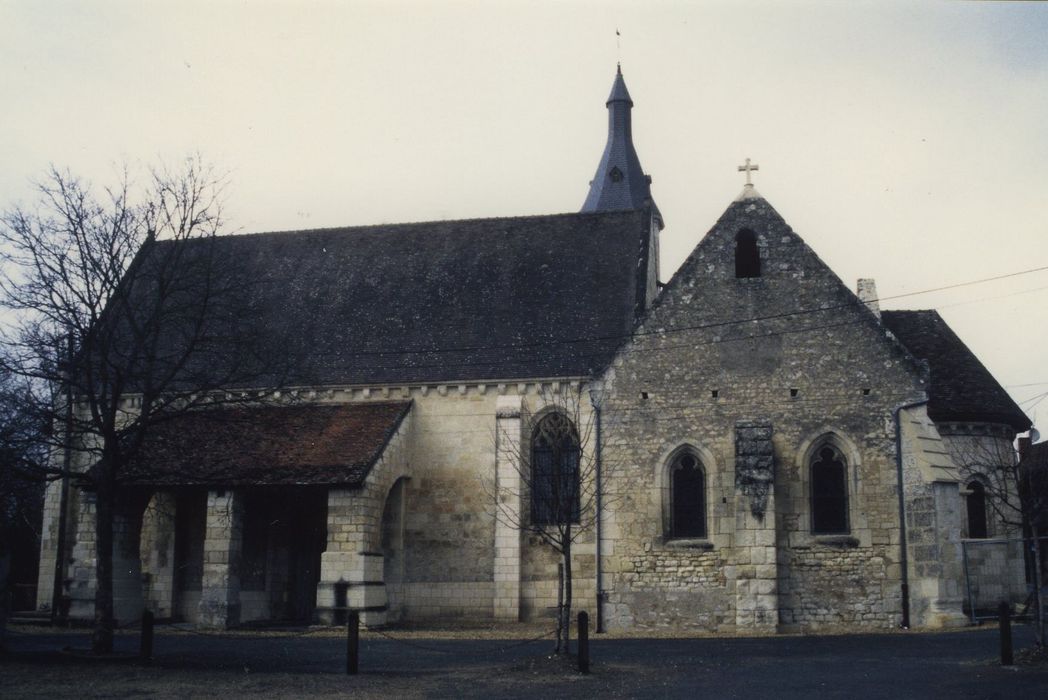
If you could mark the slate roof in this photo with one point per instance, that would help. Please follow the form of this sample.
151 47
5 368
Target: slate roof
620 182
962 389
275 445
498 299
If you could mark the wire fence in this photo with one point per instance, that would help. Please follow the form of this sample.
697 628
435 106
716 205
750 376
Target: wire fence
1007 570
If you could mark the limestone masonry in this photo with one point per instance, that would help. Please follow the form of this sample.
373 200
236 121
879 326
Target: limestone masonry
773 452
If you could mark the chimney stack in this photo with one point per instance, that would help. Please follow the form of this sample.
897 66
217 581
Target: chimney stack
867 293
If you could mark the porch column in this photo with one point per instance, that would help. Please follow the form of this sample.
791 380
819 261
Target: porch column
128 601
49 538
351 575
158 554
223 541
508 486
127 565
83 558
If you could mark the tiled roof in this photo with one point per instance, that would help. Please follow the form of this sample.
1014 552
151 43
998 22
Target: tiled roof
498 299
962 389
275 445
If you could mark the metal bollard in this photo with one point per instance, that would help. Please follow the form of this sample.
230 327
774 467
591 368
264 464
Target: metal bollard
584 642
145 652
1004 614
353 643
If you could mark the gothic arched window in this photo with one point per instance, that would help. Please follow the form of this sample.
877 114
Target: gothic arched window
747 255
976 507
554 471
688 497
829 493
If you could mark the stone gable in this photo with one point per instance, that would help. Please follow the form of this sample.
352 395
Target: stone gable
758 371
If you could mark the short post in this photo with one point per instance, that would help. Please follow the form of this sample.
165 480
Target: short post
1004 613
583 642
353 643
145 652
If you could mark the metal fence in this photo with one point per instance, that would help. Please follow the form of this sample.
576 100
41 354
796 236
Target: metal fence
1004 569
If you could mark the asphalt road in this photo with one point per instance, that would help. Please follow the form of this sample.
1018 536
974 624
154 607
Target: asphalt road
902 665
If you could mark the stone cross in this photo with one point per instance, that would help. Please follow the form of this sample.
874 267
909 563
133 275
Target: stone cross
748 169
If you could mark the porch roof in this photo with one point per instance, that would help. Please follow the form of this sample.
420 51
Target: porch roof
272 445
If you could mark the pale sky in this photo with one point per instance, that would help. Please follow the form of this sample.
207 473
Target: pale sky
904 141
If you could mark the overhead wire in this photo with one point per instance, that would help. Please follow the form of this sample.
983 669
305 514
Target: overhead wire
636 333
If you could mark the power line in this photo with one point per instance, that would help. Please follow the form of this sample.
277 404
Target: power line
552 342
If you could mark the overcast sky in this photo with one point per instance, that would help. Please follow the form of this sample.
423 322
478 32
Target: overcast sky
907 142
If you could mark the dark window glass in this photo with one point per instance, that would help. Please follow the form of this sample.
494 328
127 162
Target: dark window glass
688 495
747 255
829 494
554 471
976 502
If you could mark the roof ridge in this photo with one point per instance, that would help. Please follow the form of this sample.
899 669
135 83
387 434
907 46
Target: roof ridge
432 222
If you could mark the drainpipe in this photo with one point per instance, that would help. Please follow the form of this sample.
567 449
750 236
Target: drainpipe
596 399
904 559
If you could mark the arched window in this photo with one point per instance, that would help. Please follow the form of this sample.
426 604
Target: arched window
688 497
747 255
976 506
554 471
829 493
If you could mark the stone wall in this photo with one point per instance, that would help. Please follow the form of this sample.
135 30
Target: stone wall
792 349
828 586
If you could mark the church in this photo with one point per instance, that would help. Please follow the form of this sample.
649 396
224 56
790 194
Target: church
750 446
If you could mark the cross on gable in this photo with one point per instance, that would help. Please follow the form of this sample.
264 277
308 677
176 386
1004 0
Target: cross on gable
748 169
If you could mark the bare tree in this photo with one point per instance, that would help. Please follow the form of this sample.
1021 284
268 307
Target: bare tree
1014 494
21 492
557 463
127 312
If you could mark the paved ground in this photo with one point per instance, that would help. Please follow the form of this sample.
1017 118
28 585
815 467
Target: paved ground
901 665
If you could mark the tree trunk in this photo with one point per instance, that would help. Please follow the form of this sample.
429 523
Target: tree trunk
102 639
560 607
566 608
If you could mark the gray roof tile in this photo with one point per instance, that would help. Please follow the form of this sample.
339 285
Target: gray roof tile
500 299
962 389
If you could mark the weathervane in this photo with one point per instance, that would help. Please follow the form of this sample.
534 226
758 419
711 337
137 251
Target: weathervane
748 169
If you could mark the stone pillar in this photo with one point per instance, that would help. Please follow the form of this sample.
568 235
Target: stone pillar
507 518
128 602
351 575
82 571
223 543
49 556
158 554
756 582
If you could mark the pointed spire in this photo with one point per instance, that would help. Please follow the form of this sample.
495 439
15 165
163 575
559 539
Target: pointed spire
620 183
619 93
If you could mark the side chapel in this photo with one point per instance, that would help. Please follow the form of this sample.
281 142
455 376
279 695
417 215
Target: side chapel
777 452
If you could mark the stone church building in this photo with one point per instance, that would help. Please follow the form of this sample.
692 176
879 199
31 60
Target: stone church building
767 450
